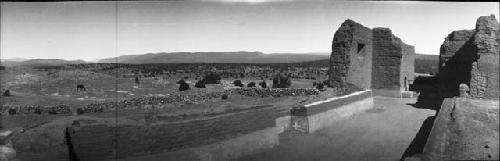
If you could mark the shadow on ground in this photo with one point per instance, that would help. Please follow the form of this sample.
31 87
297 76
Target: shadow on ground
428 98
427 88
418 143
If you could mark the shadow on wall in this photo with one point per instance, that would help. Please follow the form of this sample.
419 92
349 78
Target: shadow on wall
418 143
427 88
457 69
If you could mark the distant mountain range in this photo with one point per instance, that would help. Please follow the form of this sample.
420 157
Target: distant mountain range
217 57
38 62
423 63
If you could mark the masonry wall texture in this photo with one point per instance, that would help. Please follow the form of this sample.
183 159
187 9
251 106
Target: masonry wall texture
471 57
370 58
393 60
464 129
351 57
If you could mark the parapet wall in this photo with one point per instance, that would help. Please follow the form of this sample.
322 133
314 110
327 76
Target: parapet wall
464 129
317 116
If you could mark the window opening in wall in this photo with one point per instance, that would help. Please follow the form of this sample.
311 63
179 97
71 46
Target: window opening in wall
360 47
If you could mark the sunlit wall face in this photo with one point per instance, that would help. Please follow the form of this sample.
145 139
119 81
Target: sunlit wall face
96 30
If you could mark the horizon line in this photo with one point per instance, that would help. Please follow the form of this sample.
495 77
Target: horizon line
95 60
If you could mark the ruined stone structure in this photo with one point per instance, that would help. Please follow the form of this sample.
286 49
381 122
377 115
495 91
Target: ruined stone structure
464 129
393 61
370 59
351 58
471 57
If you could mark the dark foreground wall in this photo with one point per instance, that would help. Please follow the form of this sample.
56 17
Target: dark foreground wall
464 129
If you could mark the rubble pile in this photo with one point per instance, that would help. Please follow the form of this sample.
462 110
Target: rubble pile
275 92
37 109
139 102
143 102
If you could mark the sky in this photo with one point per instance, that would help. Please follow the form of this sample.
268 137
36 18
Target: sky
96 30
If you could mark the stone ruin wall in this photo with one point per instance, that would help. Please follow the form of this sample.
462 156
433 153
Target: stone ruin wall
347 63
456 56
361 58
392 60
407 66
370 58
471 57
485 72
464 129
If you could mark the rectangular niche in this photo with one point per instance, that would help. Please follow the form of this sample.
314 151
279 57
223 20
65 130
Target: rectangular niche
361 46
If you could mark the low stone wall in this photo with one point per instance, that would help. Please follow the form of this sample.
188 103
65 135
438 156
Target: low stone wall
388 93
145 102
35 109
464 129
318 115
95 142
337 103
275 92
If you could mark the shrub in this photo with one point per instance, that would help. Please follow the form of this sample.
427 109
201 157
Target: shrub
38 111
263 84
225 97
200 84
251 84
320 86
12 111
79 111
184 86
238 83
212 78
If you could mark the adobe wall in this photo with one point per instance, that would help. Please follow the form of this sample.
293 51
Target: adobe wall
346 62
471 57
407 66
485 72
464 129
390 56
370 59
317 116
455 60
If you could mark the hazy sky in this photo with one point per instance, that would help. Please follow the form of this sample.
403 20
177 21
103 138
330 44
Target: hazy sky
95 30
